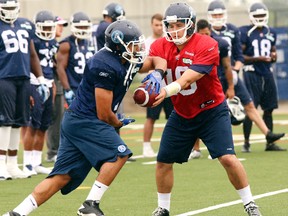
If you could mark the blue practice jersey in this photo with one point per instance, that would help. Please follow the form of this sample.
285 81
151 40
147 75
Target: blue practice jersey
224 51
78 55
99 34
103 70
15 48
232 35
46 51
259 43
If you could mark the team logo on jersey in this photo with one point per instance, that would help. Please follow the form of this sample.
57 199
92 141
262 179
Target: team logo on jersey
122 148
187 61
26 25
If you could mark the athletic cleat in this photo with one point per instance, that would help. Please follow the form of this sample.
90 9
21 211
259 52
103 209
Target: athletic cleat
246 147
252 209
148 152
274 147
90 208
160 212
40 169
271 137
11 213
4 174
195 154
17 173
29 170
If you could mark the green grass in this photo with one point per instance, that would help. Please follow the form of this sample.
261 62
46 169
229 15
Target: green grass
198 184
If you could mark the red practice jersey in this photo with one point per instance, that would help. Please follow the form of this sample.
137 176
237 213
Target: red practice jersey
201 55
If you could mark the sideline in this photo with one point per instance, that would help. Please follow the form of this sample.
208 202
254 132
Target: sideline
223 205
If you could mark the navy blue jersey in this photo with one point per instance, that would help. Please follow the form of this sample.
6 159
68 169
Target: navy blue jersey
224 51
99 34
259 43
80 52
103 70
15 48
232 35
46 51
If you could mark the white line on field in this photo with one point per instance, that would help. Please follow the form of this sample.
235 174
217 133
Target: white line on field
223 205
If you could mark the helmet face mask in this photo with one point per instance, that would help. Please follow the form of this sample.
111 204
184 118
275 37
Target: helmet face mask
45 25
179 12
125 39
9 10
259 14
236 110
217 14
81 25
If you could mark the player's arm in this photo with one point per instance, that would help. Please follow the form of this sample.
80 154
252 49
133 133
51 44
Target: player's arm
62 58
34 61
252 59
273 54
226 62
153 62
104 99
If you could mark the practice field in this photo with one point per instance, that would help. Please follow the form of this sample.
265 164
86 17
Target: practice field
201 186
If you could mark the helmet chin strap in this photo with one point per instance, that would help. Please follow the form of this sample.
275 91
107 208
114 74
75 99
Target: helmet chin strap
255 27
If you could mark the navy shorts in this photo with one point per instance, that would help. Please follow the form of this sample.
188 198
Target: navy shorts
262 90
240 91
14 100
154 113
213 126
41 114
85 143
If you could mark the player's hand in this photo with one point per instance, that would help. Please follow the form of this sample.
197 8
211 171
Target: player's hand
44 92
154 80
160 98
69 96
125 120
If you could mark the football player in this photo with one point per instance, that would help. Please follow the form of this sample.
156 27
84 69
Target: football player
259 49
18 58
217 17
41 112
73 53
200 108
88 135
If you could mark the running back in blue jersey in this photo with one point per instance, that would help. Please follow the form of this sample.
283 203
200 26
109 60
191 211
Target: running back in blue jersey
259 43
232 35
103 70
46 51
15 47
80 52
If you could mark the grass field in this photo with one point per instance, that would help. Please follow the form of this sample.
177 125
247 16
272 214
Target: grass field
201 186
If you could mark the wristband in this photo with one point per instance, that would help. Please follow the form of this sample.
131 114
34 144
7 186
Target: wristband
163 74
172 89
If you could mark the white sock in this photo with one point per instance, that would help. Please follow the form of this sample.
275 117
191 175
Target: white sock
12 161
97 191
14 139
27 206
164 200
246 195
5 137
36 158
146 145
3 159
27 157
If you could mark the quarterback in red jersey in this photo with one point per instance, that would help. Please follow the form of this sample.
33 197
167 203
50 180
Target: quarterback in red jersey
200 109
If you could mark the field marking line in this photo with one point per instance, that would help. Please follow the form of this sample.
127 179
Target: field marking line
223 205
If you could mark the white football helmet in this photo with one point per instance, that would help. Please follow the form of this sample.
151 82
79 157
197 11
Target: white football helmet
45 25
236 110
259 14
81 25
9 10
217 7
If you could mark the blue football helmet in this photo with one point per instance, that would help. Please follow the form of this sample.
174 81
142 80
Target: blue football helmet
125 39
259 14
179 12
81 25
217 7
45 25
115 11
236 110
9 10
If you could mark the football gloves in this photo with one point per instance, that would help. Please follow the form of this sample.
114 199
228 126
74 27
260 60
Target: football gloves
69 96
43 89
125 120
154 80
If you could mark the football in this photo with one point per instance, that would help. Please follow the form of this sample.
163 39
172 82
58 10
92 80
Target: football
142 96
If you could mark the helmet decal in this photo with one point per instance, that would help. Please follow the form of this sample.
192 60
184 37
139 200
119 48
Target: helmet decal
116 35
